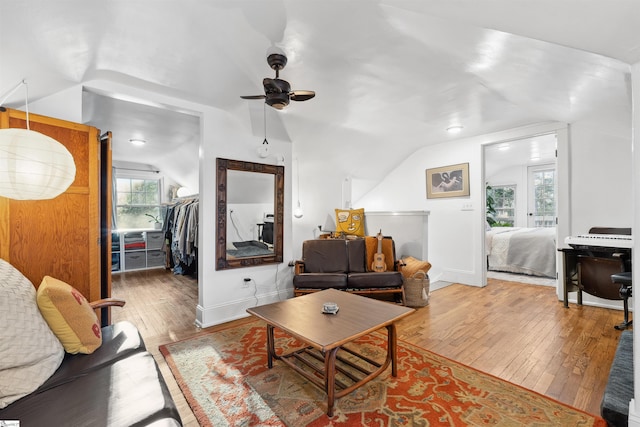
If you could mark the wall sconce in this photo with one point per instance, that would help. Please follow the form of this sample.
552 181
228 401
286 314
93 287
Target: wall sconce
33 166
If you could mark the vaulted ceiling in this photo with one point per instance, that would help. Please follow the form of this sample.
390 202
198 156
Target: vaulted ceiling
390 75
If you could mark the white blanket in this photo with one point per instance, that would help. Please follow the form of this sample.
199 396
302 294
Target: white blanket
522 250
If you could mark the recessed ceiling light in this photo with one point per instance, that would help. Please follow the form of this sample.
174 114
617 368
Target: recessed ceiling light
137 141
454 129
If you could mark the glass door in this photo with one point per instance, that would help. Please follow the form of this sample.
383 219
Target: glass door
542 196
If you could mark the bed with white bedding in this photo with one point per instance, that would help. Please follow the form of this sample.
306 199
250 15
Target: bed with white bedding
522 250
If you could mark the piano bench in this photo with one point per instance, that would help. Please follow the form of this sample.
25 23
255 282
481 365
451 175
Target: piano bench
614 407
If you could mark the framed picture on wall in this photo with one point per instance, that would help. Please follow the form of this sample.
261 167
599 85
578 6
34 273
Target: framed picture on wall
448 181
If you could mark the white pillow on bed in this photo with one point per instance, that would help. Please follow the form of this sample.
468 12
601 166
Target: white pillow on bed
29 352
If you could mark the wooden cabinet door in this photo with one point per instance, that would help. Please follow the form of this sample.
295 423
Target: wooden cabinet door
58 237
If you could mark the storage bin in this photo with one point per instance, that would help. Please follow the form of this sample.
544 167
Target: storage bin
416 290
155 239
155 258
134 260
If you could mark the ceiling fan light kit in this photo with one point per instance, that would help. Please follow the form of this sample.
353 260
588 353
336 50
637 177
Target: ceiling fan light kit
263 150
278 100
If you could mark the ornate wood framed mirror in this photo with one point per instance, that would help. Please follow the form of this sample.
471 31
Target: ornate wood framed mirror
250 207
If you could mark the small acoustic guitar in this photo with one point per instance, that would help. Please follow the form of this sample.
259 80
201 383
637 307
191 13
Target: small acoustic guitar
379 265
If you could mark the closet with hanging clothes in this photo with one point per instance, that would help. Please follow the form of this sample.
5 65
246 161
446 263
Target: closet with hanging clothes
181 235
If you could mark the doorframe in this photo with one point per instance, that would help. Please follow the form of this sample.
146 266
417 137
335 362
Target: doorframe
563 196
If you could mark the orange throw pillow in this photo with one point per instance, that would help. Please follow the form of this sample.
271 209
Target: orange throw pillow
371 243
69 316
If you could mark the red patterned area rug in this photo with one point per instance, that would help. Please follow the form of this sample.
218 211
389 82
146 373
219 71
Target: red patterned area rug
225 379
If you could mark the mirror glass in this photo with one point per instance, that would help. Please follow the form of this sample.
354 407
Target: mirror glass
250 205
249 214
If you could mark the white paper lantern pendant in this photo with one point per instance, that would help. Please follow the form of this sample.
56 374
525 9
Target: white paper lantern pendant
33 166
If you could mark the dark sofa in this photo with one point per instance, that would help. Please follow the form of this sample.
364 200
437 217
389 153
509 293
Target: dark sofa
342 264
614 407
117 385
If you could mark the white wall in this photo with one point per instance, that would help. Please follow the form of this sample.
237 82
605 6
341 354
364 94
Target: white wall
600 176
634 407
453 232
320 194
223 295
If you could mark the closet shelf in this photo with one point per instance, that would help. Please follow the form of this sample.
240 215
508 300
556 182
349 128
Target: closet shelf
137 250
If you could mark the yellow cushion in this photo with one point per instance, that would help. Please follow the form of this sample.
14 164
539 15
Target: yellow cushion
371 243
413 265
350 221
69 316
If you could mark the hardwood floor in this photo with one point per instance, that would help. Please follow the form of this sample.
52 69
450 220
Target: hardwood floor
517 332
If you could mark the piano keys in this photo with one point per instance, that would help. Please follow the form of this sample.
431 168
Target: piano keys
600 240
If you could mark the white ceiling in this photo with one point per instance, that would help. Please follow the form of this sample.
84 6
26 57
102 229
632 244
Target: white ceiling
537 150
390 75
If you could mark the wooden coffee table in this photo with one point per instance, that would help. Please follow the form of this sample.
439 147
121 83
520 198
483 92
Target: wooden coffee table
325 334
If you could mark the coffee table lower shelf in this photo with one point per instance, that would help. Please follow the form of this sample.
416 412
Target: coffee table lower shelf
335 372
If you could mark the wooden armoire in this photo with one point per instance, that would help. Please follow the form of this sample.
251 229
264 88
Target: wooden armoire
68 237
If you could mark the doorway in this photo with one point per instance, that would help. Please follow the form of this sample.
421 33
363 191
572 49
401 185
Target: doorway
148 176
520 209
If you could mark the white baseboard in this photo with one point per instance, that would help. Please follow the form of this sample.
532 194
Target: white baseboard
634 418
233 310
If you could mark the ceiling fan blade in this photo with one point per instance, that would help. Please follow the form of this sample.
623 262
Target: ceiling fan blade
301 95
252 96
